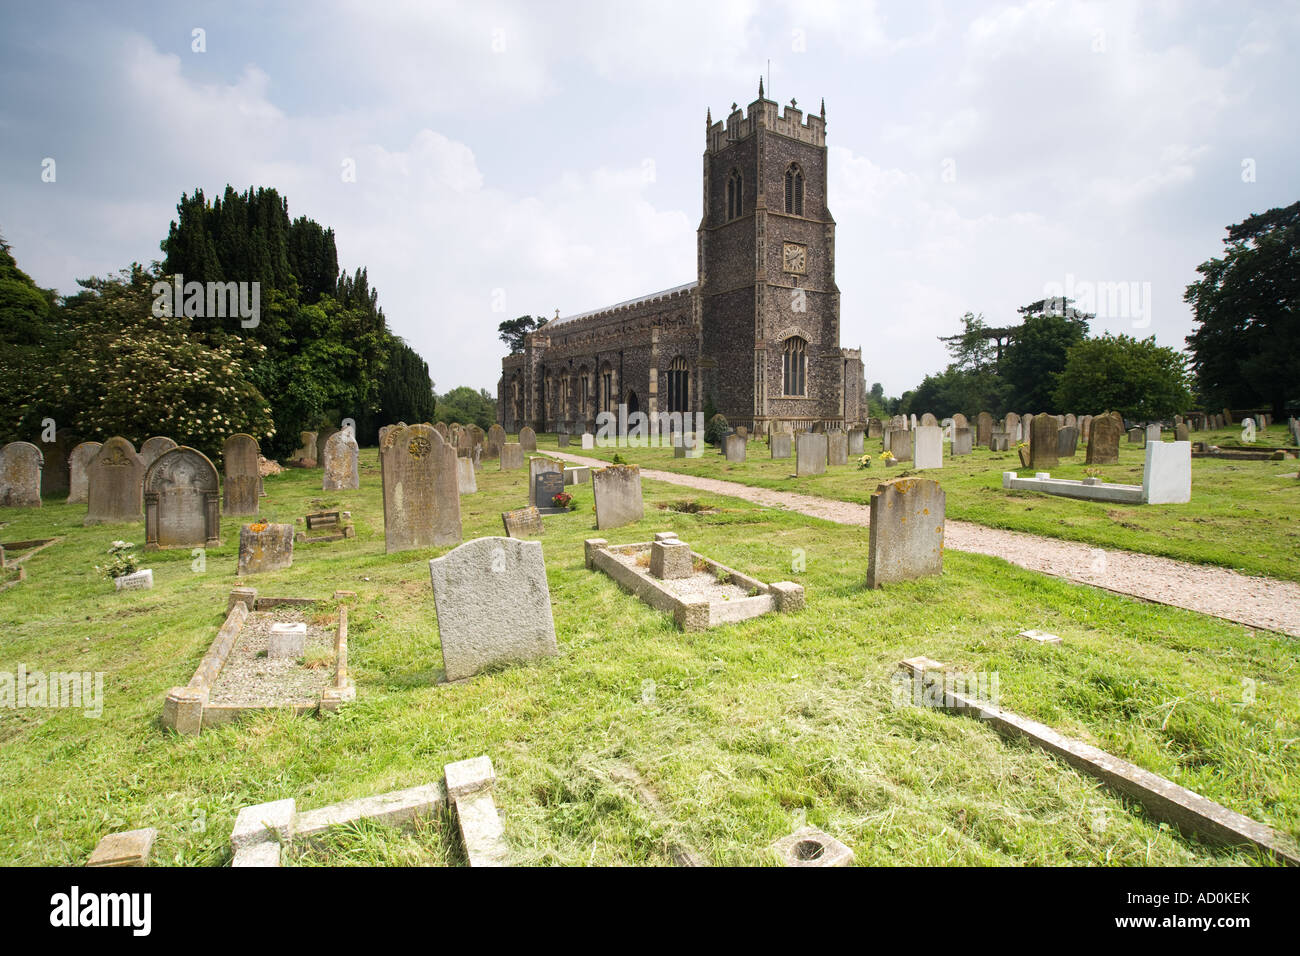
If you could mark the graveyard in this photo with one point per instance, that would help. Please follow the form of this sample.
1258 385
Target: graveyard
638 742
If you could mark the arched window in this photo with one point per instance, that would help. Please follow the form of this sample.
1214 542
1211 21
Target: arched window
794 370
678 385
794 190
735 195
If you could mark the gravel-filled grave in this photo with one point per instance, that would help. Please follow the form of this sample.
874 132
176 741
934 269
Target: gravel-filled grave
250 678
700 586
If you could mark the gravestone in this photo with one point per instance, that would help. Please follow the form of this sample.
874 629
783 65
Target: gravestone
962 439
512 456
1067 441
182 507
421 489
341 459
983 429
55 476
928 419
837 448
900 445
1043 443
1182 432
1070 420
115 484
588 440
270 549
913 423
1011 425
1153 433
874 428
563 439
443 431
20 475
960 421
322 440
1085 427
779 443
522 522
617 490
1167 475
546 486
493 605
928 447
154 447
1000 441
242 484
734 447
304 456
538 466
906 537
541 466
386 428
465 443
496 437
810 454
1136 436
79 471
528 439
857 442
466 483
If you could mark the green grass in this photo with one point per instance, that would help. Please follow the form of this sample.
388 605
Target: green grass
1242 514
742 733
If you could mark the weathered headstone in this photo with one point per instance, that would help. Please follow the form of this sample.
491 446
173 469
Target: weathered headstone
1043 443
421 489
617 490
182 507
20 475
528 439
929 419
322 440
341 460
857 442
493 605
734 447
1067 441
496 437
54 473
810 454
928 448
466 483
79 471
539 465
962 439
304 456
443 432
983 429
1154 433
837 447
512 456
1136 436
779 443
242 486
1011 425
522 522
874 428
906 538
265 547
562 439
1182 432
901 444
115 484
153 448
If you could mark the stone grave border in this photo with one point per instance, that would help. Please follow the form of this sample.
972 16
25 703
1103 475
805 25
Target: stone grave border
1163 799
7 563
186 709
781 597
264 832
344 530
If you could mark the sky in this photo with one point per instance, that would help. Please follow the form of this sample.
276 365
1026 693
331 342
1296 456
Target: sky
512 158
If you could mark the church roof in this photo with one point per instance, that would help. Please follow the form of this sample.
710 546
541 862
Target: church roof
619 305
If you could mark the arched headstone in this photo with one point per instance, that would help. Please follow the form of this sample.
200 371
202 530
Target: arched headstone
20 475
154 447
181 504
341 460
421 489
79 470
115 484
243 483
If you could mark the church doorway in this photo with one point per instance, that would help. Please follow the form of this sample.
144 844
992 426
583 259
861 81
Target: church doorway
633 406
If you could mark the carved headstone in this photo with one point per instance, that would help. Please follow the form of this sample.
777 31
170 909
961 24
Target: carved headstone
1067 441
537 466
242 484
421 489
20 475
154 447
270 549
983 429
837 447
115 484
512 456
779 444
734 447
962 439
522 522
181 504
496 437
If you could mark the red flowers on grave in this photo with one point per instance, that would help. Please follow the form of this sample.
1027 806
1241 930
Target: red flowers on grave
561 499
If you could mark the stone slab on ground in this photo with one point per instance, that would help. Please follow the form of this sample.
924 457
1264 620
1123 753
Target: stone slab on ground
128 848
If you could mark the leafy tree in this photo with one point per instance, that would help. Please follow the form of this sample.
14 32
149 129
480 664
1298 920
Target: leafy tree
514 331
468 407
406 394
957 390
972 349
1135 377
1247 308
28 335
1035 358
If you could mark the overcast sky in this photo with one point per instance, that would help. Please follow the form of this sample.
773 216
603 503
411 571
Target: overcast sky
522 157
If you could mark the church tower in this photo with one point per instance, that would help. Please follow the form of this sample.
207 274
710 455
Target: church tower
769 307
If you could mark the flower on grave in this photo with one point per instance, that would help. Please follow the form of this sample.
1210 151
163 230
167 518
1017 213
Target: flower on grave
257 527
864 461
561 499
121 560
887 456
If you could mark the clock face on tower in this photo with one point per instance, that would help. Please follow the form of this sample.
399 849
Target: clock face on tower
794 258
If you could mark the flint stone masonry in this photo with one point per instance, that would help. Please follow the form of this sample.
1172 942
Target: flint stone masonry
928 449
182 507
128 848
270 549
242 485
810 450
79 471
493 605
20 475
617 490
512 456
734 447
837 448
341 459
906 537
780 444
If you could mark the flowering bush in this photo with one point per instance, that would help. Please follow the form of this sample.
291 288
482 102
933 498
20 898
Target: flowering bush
121 561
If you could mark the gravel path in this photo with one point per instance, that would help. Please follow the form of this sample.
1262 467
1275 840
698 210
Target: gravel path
1265 603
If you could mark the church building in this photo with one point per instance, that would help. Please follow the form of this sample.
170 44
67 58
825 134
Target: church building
756 336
